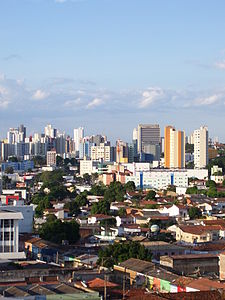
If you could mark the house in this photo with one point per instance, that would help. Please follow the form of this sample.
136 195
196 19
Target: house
124 220
197 233
59 213
85 260
97 218
41 249
199 264
160 248
176 211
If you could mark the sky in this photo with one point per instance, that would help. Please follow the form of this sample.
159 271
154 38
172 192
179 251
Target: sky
108 65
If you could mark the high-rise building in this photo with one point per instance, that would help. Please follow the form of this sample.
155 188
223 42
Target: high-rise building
101 152
201 139
174 149
50 131
148 135
78 137
51 158
121 152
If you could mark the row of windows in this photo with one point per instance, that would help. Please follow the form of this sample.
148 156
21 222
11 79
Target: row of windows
6 223
6 236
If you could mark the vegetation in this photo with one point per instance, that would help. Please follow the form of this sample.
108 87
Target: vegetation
120 252
56 231
101 207
150 195
210 183
9 170
194 213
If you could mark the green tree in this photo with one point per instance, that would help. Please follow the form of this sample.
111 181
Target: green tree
150 195
192 190
39 161
210 183
101 207
73 207
194 213
98 190
119 252
55 231
87 178
9 170
130 186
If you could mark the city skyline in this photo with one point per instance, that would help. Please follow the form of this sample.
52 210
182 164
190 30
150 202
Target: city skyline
110 65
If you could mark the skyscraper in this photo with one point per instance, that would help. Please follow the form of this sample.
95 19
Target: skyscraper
201 139
148 134
174 148
78 134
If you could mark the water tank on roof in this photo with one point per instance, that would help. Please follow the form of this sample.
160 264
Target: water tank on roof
154 228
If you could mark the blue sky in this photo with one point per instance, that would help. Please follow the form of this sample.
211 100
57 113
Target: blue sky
110 64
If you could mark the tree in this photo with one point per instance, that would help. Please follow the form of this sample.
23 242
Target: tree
119 252
9 170
87 178
101 207
39 160
55 231
192 190
122 212
130 186
150 195
223 182
59 161
210 183
73 207
194 212
13 159
97 190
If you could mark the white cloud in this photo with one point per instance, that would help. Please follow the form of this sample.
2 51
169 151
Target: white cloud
40 95
4 103
150 95
73 103
95 102
220 64
208 100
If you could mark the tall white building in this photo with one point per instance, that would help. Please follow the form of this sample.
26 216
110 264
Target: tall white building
78 134
101 152
50 131
201 139
9 233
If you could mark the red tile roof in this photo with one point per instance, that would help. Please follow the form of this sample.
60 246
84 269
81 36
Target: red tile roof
100 283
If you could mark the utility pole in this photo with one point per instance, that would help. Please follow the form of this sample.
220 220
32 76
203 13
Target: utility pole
124 284
105 286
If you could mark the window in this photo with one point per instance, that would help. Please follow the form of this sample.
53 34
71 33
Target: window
7 223
6 236
12 236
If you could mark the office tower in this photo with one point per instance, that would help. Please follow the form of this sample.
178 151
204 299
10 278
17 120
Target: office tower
97 139
121 152
174 148
148 134
78 134
135 134
50 131
201 139
22 131
148 141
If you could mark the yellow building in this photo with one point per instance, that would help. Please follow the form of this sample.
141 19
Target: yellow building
174 148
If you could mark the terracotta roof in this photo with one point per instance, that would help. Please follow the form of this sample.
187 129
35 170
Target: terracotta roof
199 229
100 283
205 284
209 295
